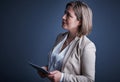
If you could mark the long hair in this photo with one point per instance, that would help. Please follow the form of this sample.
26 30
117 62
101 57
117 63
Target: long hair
83 14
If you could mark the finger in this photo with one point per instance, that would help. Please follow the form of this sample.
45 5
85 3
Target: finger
50 77
41 74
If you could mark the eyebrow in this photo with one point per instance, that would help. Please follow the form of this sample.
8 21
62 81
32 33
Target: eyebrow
66 11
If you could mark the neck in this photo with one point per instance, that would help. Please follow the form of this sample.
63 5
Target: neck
71 35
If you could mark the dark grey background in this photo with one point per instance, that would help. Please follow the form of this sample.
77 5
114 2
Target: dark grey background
28 29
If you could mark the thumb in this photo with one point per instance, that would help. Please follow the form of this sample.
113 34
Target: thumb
54 72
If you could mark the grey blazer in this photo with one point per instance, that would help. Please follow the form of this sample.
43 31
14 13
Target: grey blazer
79 61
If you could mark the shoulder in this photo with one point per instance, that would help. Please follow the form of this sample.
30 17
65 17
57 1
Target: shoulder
86 40
86 46
86 43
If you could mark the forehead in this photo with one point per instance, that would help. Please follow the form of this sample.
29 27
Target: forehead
69 9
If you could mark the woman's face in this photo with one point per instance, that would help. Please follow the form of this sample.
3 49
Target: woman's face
69 20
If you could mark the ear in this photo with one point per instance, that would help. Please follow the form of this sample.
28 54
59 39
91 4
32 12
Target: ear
79 22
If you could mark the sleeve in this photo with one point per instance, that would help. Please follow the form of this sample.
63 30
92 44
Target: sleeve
87 64
61 79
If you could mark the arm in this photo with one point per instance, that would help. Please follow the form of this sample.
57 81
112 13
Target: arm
87 65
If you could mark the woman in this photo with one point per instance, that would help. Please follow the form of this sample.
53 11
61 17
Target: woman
72 58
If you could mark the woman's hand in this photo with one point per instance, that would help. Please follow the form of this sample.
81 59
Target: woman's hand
54 76
42 74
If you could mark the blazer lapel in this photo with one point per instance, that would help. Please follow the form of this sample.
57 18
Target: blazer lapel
69 52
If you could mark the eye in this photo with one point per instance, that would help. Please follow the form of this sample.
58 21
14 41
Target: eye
67 14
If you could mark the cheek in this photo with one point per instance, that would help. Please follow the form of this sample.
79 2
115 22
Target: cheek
76 23
72 24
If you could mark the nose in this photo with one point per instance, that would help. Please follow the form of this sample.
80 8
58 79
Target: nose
64 16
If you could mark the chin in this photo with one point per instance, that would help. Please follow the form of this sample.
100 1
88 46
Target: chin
65 27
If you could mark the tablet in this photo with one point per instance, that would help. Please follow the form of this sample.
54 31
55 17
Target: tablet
39 68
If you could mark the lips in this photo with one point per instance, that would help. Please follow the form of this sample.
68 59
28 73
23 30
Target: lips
63 22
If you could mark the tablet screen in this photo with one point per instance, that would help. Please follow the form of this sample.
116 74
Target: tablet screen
39 68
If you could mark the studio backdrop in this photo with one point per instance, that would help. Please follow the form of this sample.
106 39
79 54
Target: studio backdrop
28 29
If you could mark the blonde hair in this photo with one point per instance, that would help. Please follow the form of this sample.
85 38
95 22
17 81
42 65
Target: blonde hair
83 14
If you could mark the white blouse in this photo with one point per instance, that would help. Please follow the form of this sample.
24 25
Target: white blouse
57 56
